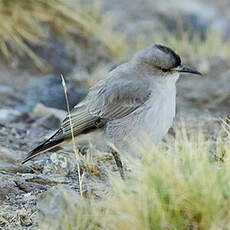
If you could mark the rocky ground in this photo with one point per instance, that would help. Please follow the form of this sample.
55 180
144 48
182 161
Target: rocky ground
32 106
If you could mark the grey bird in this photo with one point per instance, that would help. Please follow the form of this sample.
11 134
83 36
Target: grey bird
137 98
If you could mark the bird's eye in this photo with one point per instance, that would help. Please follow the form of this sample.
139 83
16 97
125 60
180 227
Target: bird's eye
164 70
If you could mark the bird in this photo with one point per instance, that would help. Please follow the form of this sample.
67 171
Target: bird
136 98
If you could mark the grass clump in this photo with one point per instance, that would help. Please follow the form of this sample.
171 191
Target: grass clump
28 22
209 45
178 185
199 44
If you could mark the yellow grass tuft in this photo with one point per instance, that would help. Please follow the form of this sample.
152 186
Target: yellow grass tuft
178 185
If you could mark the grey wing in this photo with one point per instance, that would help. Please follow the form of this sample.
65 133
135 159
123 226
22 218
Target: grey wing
117 97
80 120
110 99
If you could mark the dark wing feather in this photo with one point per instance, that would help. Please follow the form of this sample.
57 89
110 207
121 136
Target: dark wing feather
80 120
48 144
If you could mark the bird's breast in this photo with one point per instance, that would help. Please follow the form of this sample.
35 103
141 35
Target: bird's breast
151 120
160 112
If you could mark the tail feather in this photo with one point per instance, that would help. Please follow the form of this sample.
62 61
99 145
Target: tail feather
49 144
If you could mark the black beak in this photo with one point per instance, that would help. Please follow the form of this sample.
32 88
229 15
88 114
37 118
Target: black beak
185 69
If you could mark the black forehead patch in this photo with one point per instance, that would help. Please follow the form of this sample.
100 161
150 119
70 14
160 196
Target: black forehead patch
172 53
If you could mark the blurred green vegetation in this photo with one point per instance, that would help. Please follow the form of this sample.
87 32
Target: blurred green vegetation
182 184
24 22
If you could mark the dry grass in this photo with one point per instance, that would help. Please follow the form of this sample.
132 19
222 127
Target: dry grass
75 149
209 44
27 22
178 185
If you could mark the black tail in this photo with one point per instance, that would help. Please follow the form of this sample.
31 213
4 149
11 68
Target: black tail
44 147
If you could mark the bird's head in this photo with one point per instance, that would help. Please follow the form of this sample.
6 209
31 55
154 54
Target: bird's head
163 60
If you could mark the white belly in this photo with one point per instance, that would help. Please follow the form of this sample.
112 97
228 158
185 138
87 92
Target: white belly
159 118
151 120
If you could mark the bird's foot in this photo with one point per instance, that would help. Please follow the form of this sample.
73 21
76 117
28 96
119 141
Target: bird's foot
118 163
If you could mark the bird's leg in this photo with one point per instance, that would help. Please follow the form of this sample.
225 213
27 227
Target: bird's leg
84 149
118 163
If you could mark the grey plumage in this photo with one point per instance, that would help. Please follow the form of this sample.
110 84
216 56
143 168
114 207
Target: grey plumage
137 97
